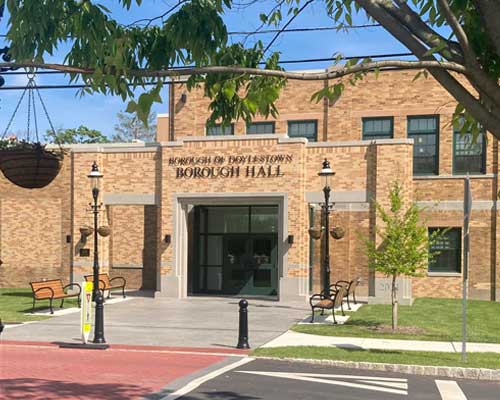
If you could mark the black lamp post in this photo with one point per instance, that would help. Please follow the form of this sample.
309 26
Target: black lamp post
95 179
326 173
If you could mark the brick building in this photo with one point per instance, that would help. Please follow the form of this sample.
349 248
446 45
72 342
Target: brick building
226 210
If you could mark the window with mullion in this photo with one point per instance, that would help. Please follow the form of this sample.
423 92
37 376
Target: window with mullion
378 128
469 156
260 128
448 249
424 132
307 129
219 130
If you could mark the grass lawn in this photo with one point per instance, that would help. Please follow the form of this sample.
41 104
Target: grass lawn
15 303
474 360
439 319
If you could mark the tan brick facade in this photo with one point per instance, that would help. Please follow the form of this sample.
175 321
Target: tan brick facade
148 195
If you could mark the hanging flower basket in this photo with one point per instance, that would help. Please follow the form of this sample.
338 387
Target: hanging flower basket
104 231
28 165
315 233
24 162
86 230
338 232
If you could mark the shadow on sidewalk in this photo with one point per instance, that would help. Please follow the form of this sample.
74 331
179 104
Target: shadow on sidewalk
43 389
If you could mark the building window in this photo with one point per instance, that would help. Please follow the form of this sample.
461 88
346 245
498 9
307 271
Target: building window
259 128
469 157
378 128
219 130
448 247
424 132
307 129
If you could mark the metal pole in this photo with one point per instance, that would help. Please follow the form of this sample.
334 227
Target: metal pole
466 238
326 258
97 294
243 328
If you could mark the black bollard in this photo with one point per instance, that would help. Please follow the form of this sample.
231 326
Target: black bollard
243 331
1 326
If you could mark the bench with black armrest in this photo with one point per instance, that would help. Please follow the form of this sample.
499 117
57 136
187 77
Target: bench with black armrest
351 289
329 301
105 283
53 289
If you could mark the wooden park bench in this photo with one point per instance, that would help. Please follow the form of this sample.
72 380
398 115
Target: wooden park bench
52 289
105 283
351 289
329 301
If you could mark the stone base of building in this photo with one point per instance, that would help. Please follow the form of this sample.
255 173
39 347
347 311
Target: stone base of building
383 291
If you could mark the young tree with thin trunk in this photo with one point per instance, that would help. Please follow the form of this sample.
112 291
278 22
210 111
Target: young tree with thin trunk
403 248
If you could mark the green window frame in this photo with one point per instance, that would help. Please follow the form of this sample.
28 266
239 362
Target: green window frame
304 128
378 128
219 130
469 157
261 128
449 248
424 130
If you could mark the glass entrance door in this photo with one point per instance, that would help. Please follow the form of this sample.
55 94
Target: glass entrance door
250 265
237 250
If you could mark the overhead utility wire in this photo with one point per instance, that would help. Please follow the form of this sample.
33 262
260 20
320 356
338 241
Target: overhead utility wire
292 30
305 60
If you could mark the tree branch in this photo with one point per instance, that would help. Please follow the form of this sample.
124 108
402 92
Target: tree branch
412 21
457 29
336 72
455 88
480 79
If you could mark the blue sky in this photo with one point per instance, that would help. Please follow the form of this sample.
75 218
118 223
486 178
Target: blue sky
68 110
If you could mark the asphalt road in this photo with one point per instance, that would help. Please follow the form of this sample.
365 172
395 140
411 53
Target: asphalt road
280 380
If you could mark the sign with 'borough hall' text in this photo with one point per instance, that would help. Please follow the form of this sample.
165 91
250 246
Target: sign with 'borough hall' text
233 166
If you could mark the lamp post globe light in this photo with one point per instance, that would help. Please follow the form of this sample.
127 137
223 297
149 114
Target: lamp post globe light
95 177
326 173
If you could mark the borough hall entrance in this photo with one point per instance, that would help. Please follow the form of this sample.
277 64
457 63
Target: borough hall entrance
234 250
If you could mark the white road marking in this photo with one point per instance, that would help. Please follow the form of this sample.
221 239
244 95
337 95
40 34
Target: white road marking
316 378
385 383
202 379
368 378
449 390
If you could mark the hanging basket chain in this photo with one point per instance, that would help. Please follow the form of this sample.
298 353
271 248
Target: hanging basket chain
15 112
31 87
30 93
45 111
34 117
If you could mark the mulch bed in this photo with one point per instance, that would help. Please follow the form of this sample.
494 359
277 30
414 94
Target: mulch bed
409 330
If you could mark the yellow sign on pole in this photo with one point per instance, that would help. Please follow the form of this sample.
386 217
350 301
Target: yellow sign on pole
86 320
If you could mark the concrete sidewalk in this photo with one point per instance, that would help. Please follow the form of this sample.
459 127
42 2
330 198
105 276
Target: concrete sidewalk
192 322
291 338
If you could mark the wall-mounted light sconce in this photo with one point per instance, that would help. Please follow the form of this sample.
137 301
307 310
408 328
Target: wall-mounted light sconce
167 239
290 239
183 98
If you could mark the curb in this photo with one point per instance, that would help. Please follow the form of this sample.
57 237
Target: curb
482 374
